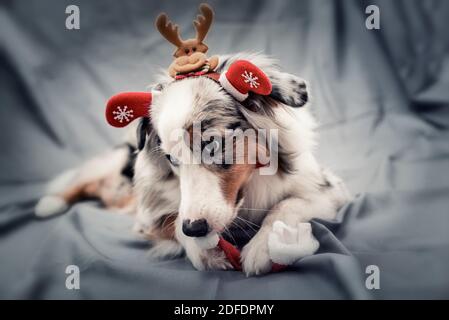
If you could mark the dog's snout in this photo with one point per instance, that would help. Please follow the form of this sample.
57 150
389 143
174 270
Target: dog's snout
197 228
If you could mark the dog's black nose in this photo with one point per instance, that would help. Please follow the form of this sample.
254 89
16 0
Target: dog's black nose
197 228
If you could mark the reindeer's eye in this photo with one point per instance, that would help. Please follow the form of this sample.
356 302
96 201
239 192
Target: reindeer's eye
194 49
175 162
186 51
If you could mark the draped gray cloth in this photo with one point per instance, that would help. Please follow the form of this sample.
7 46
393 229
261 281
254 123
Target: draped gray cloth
381 98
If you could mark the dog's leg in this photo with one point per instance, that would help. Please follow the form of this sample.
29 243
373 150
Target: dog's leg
292 211
160 232
99 177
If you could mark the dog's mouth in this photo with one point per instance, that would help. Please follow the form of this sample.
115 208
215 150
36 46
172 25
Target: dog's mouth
239 232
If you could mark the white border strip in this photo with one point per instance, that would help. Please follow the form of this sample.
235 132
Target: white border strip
230 89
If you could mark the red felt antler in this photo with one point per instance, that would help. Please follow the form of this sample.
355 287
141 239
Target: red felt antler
125 107
243 77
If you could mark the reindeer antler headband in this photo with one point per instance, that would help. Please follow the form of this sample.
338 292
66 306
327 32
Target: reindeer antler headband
241 77
202 25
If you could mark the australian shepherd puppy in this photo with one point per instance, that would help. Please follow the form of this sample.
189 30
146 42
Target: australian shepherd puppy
176 201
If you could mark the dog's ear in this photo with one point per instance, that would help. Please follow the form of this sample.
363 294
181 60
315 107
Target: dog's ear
289 89
143 129
245 82
286 88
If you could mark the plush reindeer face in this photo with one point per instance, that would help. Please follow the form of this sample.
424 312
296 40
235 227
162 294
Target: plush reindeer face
190 54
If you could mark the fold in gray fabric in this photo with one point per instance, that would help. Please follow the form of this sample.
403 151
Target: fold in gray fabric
381 97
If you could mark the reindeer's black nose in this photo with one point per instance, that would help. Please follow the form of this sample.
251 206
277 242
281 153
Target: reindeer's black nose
197 228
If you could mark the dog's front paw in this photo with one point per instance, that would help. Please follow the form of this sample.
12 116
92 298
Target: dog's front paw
286 244
255 256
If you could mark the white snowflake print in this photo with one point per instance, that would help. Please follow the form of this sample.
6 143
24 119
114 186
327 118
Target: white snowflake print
249 78
123 114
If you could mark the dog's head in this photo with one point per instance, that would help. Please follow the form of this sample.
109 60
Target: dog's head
213 143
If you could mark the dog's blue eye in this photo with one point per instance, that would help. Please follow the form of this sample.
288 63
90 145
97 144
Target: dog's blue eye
175 162
212 147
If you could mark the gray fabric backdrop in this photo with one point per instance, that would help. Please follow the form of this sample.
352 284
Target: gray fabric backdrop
381 98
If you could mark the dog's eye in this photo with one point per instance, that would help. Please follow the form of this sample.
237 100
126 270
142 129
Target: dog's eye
212 147
175 162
